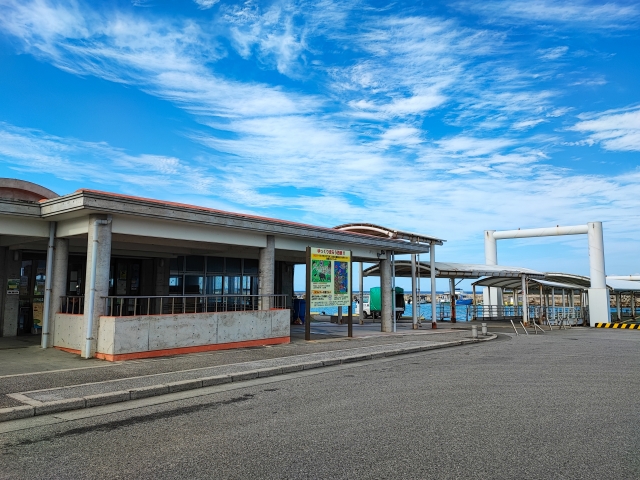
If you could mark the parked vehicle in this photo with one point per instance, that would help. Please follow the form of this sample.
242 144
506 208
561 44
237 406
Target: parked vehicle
373 307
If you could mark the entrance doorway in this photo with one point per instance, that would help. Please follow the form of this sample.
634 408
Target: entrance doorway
31 302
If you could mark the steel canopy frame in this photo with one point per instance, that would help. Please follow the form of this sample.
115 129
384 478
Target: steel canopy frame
598 291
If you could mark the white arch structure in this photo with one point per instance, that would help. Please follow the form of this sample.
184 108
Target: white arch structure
598 292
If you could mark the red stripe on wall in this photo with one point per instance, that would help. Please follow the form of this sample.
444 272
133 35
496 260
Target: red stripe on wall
184 350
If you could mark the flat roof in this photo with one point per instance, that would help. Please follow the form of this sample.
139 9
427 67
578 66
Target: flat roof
456 270
86 201
567 281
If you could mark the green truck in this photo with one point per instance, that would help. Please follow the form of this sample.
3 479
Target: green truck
373 307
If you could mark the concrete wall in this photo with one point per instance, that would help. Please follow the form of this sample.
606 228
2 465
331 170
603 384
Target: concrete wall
69 329
122 335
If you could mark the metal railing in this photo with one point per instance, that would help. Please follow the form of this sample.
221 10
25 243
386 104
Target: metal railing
554 315
73 304
123 306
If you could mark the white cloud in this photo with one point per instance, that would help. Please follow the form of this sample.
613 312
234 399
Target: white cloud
573 12
615 130
553 53
205 4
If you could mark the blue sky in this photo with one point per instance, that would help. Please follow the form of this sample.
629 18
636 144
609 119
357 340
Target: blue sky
446 118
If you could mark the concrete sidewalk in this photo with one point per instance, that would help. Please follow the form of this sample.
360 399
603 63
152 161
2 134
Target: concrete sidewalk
85 383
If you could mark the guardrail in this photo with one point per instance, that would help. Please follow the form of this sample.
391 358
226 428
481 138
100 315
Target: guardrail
123 306
73 304
569 315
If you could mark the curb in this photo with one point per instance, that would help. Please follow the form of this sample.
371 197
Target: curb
622 326
36 408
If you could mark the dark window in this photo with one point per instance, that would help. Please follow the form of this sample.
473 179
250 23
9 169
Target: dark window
177 264
193 284
234 265
195 263
250 267
215 264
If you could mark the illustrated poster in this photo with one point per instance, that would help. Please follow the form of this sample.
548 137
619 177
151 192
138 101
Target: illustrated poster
330 278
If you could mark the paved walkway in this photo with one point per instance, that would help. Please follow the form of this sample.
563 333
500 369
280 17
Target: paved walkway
32 376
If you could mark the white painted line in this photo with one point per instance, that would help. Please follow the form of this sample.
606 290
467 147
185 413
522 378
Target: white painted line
110 364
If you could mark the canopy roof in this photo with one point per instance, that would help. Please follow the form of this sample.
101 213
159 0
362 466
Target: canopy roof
384 232
559 280
456 270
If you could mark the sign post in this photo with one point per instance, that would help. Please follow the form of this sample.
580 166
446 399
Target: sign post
328 282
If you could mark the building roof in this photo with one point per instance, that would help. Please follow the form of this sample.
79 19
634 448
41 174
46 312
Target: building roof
456 270
567 281
385 232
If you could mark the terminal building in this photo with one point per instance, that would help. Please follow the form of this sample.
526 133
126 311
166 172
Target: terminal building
120 277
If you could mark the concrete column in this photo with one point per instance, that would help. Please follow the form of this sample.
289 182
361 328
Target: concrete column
361 290
633 305
11 304
414 292
618 306
599 309
386 315
102 252
266 270
58 283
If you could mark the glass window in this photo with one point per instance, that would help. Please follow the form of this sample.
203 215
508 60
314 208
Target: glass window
232 285
215 264
175 285
177 264
250 266
195 263
249 285
214 285
193 284
234 265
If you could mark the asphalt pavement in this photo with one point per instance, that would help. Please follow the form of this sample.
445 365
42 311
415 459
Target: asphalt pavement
557 405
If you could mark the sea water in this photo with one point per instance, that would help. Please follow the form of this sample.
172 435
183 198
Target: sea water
443 311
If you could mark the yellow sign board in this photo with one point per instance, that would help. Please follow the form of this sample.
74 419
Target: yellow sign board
330 278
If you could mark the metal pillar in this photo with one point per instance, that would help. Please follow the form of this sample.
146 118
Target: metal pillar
432 267
599 309
361 290
46 314
393 288
525 306
633 305
414 293
452 288
618 306
491 295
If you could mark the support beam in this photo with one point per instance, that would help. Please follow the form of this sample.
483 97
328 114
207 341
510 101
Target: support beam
386 314
599 311
525 306
361 293
452 289
45 340
266 271
432 267
58 283
98 266
414 292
